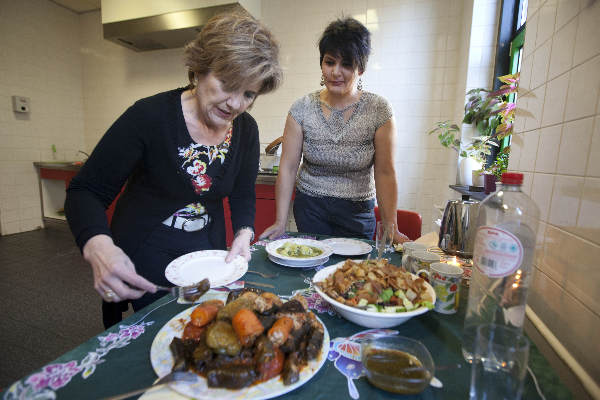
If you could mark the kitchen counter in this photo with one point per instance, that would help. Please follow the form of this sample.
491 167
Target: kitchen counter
266 178
59 165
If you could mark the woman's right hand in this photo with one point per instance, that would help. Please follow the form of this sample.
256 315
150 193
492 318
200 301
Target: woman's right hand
273 232
115 278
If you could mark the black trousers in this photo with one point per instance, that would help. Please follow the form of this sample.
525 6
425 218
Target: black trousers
161 247
334 216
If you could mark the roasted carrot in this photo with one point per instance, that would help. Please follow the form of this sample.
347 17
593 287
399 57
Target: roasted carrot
271 367
247 326
204 314
280 330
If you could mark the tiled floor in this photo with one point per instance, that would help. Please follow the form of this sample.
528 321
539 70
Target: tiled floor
47 300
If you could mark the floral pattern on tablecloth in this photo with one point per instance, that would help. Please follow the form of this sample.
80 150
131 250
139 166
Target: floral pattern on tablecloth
344 352
43 385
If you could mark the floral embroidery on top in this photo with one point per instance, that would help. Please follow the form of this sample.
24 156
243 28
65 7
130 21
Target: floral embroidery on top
196 165
196 159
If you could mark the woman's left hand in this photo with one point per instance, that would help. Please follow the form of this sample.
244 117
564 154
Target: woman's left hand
240 246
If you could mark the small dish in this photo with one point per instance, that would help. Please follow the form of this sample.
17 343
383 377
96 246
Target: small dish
348 247
397 364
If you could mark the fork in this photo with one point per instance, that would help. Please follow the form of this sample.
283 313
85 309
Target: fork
188 293
268 276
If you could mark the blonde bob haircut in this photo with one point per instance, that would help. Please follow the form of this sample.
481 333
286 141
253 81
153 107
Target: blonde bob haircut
237 49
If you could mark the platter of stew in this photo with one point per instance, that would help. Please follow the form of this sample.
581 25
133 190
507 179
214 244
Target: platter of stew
162 360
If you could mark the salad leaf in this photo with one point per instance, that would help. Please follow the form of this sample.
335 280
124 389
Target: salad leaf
386 295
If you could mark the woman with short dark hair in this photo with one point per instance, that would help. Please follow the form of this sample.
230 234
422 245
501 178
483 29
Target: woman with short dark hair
180 153
345 138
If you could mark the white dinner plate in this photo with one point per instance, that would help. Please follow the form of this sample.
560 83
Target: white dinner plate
162 363
298 263
271 249
192 268
348 247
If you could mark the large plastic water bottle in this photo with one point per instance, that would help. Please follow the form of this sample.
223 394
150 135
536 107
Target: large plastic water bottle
503 256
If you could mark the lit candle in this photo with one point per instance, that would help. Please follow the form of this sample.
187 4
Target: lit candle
454 262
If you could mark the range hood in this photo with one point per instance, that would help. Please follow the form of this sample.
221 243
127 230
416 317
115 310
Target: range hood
166 30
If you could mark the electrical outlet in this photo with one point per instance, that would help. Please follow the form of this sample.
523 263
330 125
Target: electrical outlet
20 104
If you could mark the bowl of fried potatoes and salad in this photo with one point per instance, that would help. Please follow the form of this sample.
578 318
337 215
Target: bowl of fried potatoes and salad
374 293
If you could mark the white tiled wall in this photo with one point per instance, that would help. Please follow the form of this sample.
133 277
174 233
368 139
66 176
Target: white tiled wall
40 59
424 57
562 91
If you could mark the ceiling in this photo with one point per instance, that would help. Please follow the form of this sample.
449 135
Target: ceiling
79 6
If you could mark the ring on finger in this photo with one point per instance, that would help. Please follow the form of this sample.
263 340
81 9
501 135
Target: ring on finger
110 294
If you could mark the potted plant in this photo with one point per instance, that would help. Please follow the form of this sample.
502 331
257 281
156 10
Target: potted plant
491 115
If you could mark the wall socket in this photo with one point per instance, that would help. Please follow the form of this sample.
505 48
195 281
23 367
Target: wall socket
20 104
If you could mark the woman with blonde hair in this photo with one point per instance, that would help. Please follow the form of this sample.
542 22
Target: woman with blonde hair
178 153
345 139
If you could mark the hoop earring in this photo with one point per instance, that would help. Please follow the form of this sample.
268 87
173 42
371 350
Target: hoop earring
322 80
359 86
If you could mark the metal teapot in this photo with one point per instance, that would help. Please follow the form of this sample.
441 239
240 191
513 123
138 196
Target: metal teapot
457 230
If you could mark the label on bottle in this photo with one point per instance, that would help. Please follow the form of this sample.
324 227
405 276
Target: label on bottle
496 252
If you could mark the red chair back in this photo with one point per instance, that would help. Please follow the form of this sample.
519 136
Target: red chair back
409 222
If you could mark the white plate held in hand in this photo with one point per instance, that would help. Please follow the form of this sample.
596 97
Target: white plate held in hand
193 267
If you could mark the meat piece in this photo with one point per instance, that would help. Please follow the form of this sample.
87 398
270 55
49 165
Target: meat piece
182 351
280 330
267 302
296 336
192 331
235 293
221 337
292 306
302 300
247 326
202 355
291 369
231 378
267 320
269 364
299 318
315 338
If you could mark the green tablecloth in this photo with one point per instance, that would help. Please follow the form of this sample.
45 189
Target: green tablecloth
118 360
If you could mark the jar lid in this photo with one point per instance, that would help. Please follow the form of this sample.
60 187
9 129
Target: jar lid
512 178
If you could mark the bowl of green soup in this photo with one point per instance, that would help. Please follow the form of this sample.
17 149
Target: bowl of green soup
298 249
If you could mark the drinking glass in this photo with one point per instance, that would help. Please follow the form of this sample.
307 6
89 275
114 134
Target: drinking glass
384 237
499 363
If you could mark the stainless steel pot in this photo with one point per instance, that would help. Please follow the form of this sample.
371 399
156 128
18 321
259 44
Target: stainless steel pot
459 223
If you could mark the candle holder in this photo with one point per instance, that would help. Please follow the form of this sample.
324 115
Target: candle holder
465 263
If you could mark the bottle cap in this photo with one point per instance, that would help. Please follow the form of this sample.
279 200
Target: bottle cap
512 178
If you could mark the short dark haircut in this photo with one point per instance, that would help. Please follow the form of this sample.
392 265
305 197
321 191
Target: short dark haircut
348 39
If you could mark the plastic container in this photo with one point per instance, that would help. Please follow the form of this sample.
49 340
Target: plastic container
503 256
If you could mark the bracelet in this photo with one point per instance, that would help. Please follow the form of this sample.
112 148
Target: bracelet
251 229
